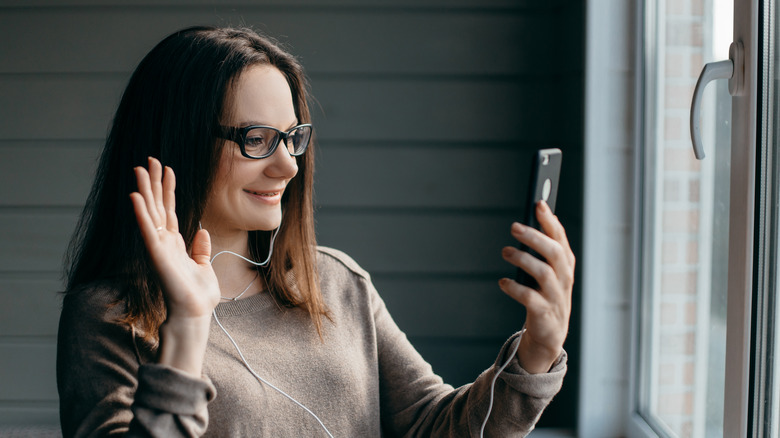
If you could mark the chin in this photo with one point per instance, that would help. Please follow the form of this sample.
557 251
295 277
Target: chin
269 224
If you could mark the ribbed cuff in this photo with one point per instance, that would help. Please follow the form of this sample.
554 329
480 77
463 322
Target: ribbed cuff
167 389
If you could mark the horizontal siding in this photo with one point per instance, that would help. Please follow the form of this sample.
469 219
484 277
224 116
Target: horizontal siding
38 419
465 307
79 107
47 173
457 297
364 5
33 241
384 242
32 393
425 113
30 305
430 42
446 176
32 367
392 242
458 362
468 177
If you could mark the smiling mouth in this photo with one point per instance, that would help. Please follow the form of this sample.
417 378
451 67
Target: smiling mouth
264 194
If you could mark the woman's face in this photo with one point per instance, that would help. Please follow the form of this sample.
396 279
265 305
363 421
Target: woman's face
247 193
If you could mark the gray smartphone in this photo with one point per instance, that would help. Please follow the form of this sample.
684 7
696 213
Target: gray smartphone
545 176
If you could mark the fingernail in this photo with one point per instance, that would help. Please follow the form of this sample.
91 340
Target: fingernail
518 227
543 206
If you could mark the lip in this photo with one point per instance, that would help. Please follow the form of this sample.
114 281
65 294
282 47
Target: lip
273 196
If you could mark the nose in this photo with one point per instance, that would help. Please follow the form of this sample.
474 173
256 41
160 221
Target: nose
281 163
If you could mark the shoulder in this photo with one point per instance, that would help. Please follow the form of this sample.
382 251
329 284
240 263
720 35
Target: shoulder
93 298
93 305
332 261
343 283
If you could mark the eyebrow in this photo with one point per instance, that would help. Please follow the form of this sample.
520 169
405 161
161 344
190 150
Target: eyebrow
255 123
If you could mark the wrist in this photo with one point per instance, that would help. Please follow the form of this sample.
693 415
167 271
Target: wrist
536 358
183 343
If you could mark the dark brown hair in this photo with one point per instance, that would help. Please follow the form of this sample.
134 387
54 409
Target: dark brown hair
171 110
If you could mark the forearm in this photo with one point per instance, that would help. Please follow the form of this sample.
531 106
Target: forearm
183 343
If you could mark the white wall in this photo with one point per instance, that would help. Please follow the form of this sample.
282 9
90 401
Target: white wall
610 148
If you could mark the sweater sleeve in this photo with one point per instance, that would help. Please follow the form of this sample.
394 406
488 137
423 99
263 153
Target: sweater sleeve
104 388
416 402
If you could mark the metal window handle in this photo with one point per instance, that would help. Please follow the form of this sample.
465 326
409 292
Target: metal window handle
730 69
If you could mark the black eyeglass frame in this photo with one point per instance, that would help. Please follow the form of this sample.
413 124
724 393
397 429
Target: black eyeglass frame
238 135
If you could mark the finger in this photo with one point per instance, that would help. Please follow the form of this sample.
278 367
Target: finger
155 175
560 258
534 239
524 295
169 199
542 272
145 223
201 247
553 228
145 190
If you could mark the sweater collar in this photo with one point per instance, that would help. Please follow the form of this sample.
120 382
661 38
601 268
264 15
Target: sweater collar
253 304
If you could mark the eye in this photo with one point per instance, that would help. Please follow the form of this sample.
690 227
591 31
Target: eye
258 141
254 141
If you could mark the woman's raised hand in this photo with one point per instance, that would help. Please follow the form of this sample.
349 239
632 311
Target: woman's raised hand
547 309
189 284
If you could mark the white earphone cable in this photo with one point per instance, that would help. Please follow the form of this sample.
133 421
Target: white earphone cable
262 380
243 359
263 263
493 386
214 312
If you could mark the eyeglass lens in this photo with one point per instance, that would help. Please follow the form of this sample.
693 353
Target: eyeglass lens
260 142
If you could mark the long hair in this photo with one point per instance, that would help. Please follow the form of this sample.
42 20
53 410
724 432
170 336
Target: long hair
171 110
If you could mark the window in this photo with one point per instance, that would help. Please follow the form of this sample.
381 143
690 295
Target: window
685 224
707 296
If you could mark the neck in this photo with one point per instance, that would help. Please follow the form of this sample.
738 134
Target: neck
233 273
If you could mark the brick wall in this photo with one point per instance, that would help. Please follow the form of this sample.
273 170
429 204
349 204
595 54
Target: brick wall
680 211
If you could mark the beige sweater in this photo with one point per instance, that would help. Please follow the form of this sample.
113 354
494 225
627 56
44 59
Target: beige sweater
365 380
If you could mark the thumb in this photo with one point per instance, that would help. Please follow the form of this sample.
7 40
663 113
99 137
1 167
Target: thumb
201 247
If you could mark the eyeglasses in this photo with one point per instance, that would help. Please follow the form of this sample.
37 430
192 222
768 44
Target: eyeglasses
258 142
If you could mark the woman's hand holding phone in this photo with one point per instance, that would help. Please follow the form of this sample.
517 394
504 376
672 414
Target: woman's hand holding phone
545 268
547 309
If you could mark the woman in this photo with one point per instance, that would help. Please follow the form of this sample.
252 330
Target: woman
203 307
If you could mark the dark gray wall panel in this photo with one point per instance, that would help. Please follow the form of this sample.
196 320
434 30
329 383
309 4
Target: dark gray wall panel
491 176
32 366
475 307
441 110
399 242
510 5
47 173
383 242
426 112
43 415
458 362
34 241
30 305
333 41
471 176
79 107
58 107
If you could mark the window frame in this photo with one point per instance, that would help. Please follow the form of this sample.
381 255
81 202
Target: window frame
738 388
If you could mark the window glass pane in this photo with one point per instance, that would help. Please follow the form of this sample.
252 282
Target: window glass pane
685 242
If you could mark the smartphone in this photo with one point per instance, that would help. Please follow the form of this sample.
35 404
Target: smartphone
543 186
